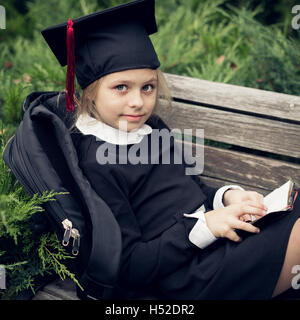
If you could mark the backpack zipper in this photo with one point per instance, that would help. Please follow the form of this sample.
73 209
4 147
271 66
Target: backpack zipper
67 224
71 232
76 241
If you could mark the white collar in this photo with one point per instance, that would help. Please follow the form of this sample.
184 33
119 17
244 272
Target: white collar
89 125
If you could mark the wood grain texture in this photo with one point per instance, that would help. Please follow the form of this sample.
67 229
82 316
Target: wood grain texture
58 290
260 102
217 183
236 129
42 295
250 171
223 166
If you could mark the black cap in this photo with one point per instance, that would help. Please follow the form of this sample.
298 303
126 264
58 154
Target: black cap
108 41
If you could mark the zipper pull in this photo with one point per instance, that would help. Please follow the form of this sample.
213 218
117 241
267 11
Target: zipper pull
76 242
67 224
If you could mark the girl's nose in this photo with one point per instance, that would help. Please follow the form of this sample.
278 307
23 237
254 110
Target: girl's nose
136 99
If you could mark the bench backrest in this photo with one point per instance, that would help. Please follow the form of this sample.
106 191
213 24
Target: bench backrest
255 123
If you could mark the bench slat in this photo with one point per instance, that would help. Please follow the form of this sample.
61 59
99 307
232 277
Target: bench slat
215 182
42 295
58 290
252 172
237 129
223 166
252 100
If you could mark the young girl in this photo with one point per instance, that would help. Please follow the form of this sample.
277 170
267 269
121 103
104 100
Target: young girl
178 234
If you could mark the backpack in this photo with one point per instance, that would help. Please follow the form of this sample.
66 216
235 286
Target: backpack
42 156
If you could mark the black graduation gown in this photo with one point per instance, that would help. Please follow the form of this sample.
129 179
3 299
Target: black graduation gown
148 201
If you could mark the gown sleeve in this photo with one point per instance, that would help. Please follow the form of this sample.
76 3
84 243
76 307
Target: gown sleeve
142 262
210 192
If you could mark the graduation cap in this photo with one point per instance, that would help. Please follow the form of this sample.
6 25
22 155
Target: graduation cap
104 42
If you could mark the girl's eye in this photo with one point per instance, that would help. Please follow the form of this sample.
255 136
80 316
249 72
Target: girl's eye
148 88
121 87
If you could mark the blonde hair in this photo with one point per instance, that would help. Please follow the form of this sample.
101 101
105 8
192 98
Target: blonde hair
86 105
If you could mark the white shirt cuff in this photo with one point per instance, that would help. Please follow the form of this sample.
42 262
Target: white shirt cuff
218 203
200 235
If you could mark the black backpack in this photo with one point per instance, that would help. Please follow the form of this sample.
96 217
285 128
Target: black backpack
42 156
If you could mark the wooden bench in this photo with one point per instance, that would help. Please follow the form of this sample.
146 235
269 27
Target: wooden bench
247 126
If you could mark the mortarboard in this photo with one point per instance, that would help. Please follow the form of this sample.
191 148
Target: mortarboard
104 42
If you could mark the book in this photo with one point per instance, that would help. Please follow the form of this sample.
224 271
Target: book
280 199
279 202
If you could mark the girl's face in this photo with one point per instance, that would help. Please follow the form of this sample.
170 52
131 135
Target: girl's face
126 99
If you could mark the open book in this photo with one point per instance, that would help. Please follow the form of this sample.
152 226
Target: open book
281 199
279 202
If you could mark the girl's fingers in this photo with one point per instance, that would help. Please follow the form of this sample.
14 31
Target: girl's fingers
246 217
231 235
255 196
255 204
253 208
247 227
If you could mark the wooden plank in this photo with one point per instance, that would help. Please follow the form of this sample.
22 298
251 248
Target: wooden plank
66 289
236 129
58 290
215 182
253 172
250 100
41 295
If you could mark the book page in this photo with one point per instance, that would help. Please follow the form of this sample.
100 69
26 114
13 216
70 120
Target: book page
277 200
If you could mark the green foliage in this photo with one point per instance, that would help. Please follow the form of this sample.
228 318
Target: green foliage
13 96
17 23
274 59
54 259
45 13
228 45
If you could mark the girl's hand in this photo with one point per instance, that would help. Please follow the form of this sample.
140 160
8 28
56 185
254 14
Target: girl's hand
232 196
222 222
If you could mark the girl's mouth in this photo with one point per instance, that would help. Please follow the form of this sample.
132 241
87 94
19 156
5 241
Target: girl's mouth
133 118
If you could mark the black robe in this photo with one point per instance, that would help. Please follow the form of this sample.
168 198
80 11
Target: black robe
148 201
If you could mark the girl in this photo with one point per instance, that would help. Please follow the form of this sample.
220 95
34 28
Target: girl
178 234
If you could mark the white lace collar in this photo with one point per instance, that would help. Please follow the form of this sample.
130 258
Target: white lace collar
89 125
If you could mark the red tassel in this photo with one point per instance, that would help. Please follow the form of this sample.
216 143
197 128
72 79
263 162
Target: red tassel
70 83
